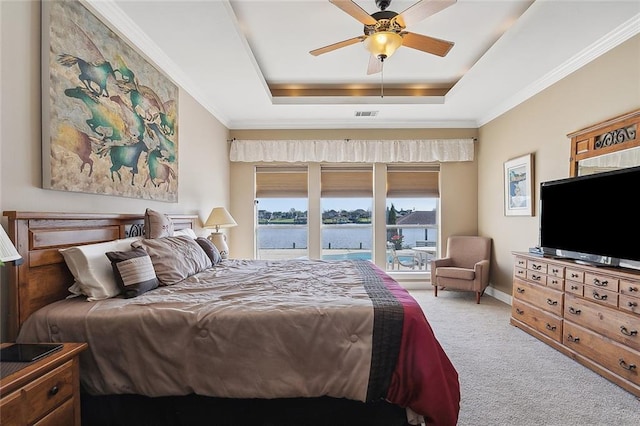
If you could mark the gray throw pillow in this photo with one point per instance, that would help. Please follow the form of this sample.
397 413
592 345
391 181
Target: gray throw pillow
133 271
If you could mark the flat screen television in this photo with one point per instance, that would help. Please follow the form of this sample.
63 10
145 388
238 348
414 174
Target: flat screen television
594 219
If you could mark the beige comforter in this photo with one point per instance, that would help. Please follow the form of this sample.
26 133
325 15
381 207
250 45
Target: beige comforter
231 331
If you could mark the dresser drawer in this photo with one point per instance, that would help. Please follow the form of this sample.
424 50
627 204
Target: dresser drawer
542 297
613 356
542 321
617 325
630 304
556 271
49 391
574 288
630 288
540 267
602 281
521 262
601 295
537 277
520 272
574 275
555 282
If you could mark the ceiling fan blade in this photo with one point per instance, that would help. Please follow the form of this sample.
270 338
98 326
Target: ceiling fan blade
337 45
375 65
432 45
355 11
422 10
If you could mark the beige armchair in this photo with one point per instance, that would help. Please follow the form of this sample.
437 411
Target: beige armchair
465 267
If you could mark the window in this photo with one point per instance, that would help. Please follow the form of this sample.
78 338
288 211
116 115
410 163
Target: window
411 216
281 213
346 203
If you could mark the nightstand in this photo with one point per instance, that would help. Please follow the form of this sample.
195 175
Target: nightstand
46 391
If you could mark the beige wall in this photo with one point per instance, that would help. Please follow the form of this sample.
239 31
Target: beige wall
606 87
458 190
203 148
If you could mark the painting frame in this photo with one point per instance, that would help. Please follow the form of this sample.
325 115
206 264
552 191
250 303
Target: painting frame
109 115
518 186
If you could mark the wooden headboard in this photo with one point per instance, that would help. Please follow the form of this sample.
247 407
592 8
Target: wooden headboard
43 277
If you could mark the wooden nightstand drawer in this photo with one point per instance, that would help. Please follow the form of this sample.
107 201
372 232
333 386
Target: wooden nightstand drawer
45 392
537 277
49 391
630 288
10 410
63 415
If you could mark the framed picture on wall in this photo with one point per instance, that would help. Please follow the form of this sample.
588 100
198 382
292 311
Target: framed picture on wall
109 116
518 186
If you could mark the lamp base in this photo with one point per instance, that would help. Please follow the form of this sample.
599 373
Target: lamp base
220 241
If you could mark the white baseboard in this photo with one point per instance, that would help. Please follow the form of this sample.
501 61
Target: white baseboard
497 294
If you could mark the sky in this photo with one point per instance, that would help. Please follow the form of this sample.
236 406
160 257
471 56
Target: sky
285 204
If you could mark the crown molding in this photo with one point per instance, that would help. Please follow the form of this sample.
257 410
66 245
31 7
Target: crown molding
614 38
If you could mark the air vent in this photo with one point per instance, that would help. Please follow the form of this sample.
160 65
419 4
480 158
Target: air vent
366 113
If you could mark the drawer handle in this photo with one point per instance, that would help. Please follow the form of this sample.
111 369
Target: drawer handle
632 304
628 367
574 287
552 302
519 311
536 267
573 339
54 390
555 271
598 297
574 311
600 283
551 327
574 275
520 290
536 277
626 332
555 282
632 289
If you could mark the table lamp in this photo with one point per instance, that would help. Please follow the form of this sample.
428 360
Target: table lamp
220 218
8 252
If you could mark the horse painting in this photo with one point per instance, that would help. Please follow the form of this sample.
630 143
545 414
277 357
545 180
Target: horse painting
125 156
90 74
159 173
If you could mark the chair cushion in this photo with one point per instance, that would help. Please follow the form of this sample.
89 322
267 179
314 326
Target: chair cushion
456 273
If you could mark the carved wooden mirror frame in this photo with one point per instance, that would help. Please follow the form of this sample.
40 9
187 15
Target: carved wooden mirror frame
613 135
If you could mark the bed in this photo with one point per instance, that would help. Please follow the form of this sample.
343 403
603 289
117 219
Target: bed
238 342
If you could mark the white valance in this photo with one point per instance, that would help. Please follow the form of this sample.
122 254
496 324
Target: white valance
352 151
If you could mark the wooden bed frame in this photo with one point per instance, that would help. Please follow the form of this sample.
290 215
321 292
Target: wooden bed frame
44 278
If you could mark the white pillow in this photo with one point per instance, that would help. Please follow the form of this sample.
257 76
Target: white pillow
92 269
186 232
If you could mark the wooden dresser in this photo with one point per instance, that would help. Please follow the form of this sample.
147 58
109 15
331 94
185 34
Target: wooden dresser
591 314
44 392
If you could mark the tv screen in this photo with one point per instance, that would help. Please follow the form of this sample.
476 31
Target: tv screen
594 218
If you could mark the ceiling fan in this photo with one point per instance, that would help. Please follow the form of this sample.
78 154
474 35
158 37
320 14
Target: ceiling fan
384 31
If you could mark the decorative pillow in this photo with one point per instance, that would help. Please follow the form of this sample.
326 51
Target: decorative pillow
157 225
92 270
133 271
186 232
174 258
210 249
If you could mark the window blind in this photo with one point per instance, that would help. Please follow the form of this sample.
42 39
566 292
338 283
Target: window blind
413 182
290 182
342 183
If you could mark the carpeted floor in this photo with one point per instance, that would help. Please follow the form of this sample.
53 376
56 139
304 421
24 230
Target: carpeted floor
508 377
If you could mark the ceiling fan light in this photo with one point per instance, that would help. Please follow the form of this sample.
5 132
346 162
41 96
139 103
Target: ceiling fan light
383 43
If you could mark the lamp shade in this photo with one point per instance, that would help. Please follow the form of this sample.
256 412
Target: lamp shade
383 44
8 251
219 218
